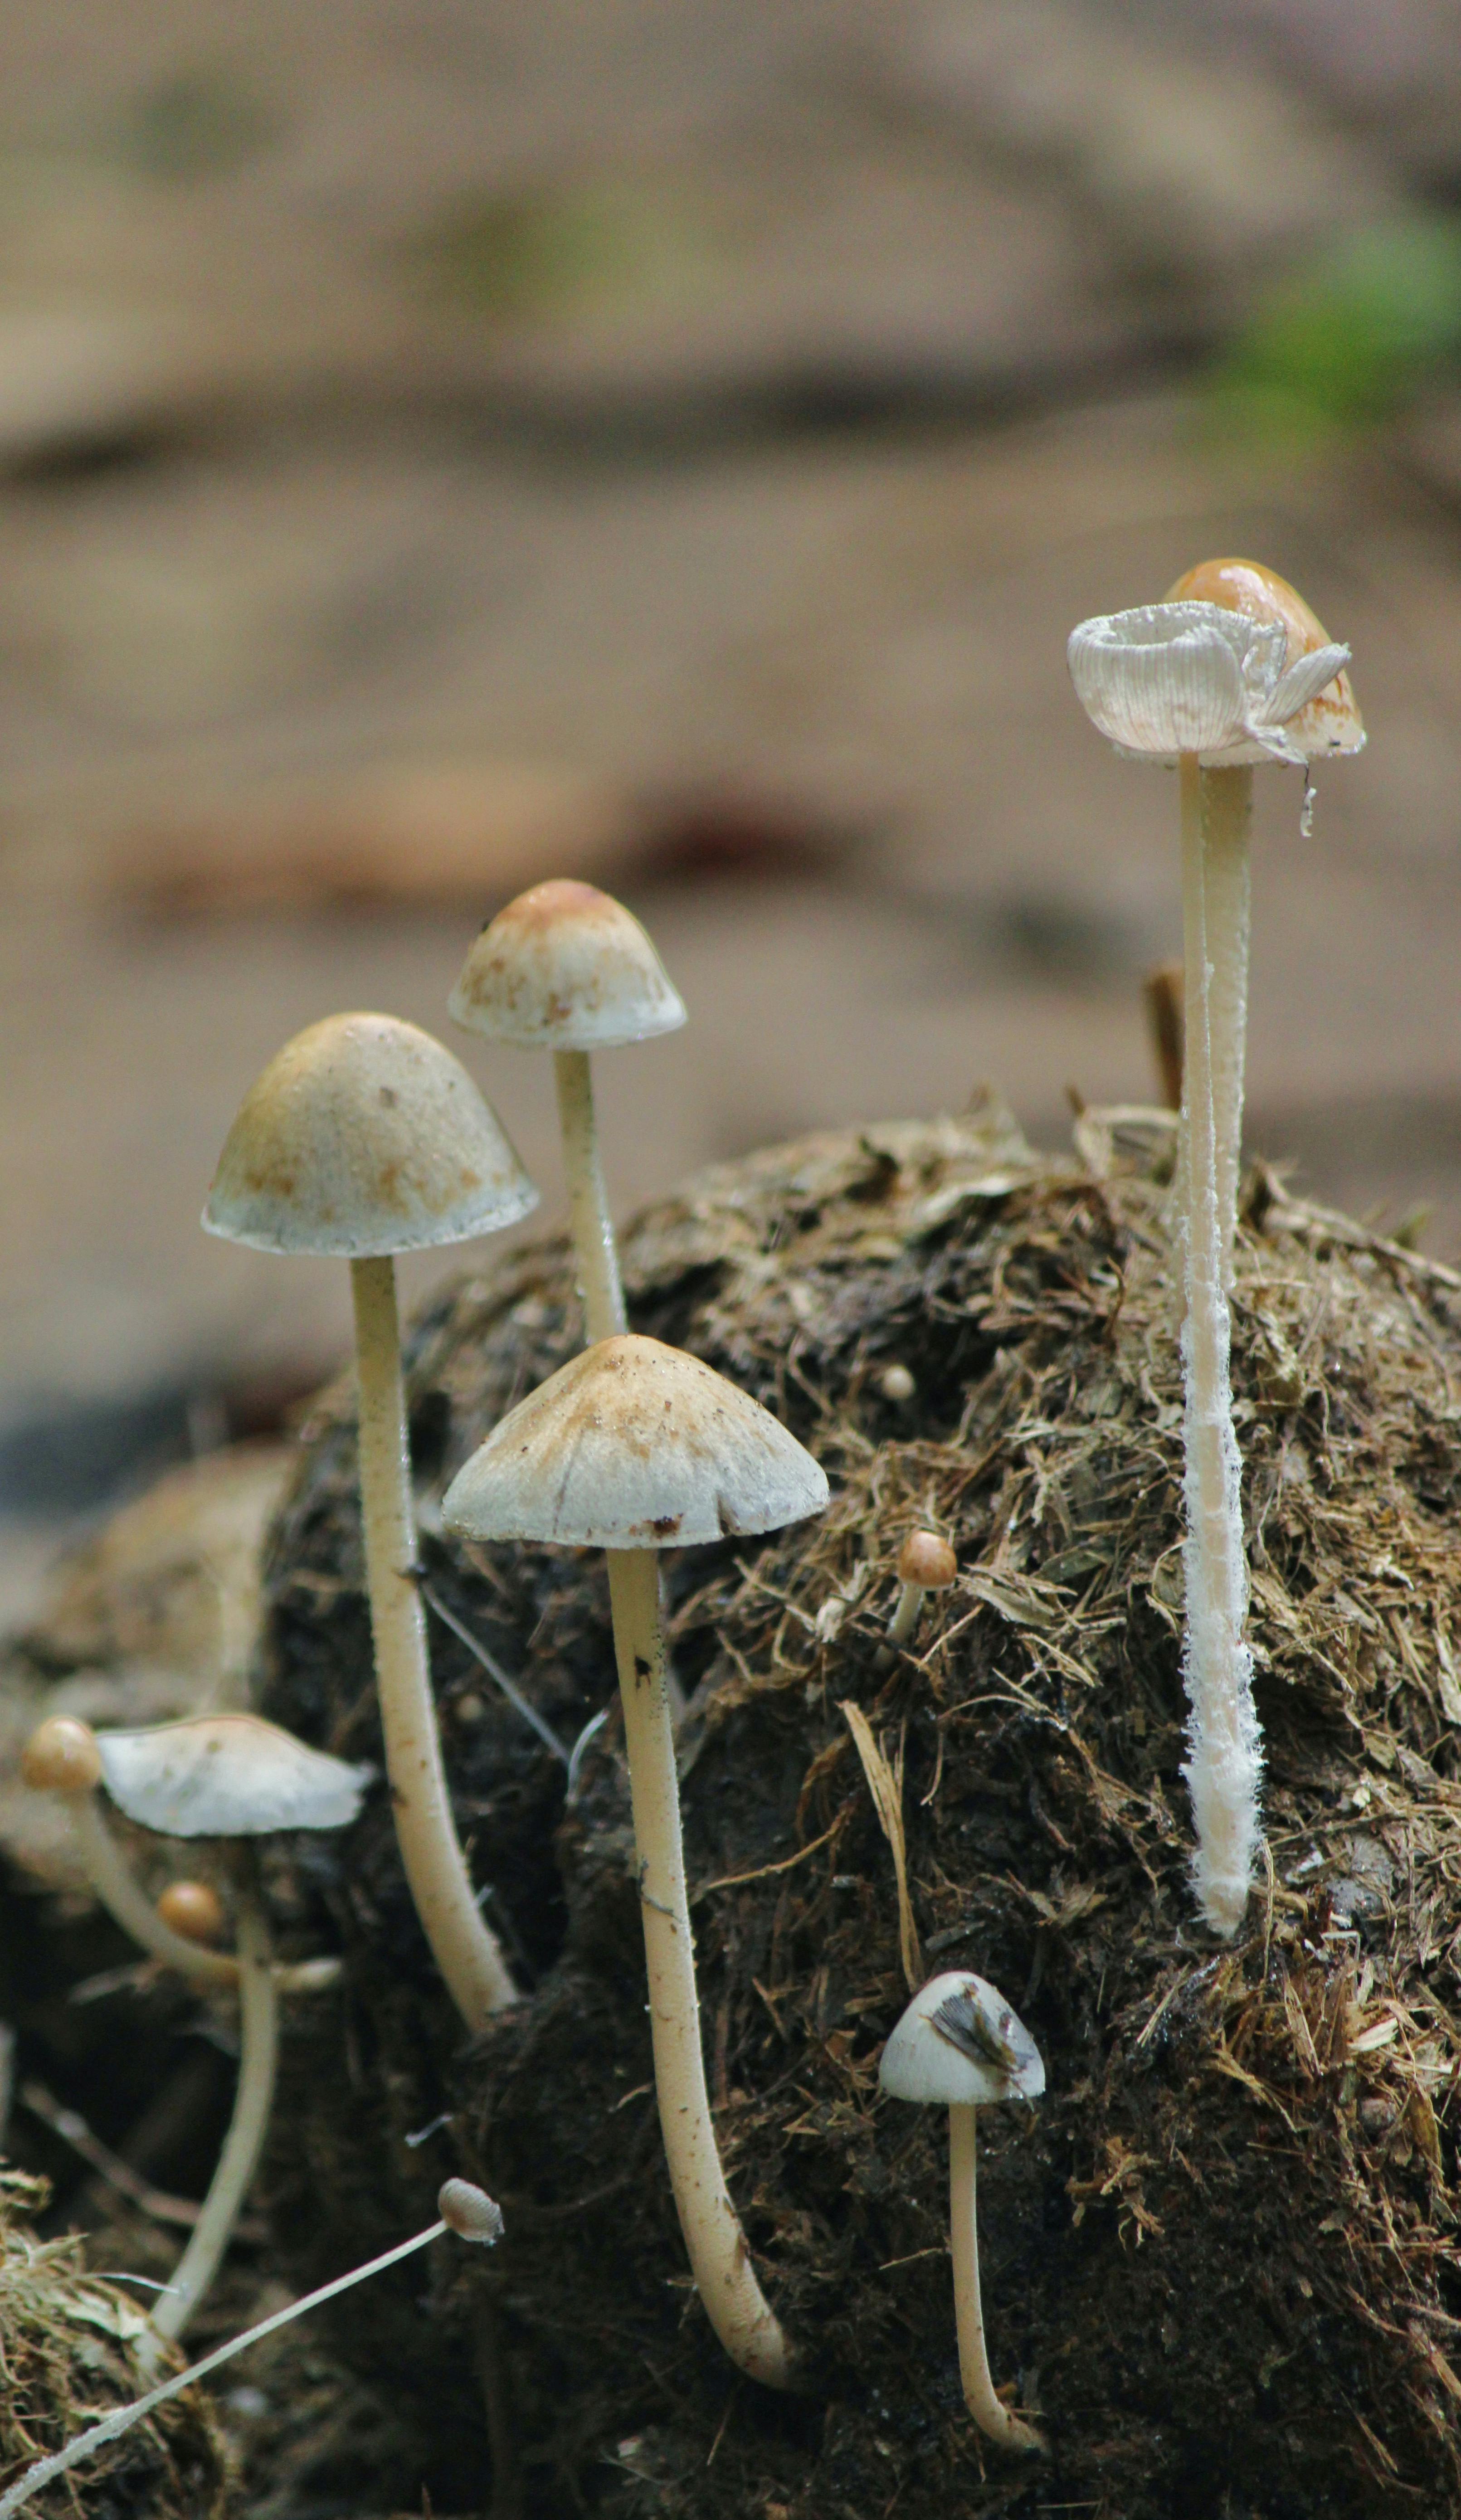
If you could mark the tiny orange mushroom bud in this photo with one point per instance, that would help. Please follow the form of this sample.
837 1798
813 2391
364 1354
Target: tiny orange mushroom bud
194 1909
62 1757
927 1561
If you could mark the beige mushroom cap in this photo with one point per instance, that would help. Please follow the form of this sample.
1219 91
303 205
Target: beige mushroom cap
364 1136
928 1560
62 1757
634 1445
565 968
1328 725
960 2045
227 1776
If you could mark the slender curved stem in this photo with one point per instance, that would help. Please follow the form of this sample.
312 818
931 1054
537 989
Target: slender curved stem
1227 819
989 2413
463 1946
588 1200
1225 1762
720 2258
258 2057
122 1895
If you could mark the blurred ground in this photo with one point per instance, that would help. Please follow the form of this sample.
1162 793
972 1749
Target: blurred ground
450 445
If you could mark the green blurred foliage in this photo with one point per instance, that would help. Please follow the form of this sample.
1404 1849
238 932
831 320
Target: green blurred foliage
1349 341
538 253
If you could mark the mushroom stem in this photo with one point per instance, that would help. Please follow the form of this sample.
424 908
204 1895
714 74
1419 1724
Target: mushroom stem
124 1897
1226 805
1223 1767
720 2258
989 2413
588 1200
463 1946
259 2055
904 1618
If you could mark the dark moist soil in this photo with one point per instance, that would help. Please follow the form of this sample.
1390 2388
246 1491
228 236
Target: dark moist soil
1219 2258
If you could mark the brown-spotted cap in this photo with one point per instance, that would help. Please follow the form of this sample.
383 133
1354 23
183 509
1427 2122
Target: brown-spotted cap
634 1445
1328 725
364 1136
564 966
959 2044
227 1776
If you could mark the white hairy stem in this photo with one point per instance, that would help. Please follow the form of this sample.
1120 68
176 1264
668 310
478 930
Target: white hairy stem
989 2413
588 1199
122 1895
1224 1760
1227 820
258 2057
465 1947
720 2258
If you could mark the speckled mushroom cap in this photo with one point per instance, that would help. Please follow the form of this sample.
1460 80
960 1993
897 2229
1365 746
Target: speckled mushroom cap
364 1136
1330 724
960 2045
634 1445
227 1776
565 968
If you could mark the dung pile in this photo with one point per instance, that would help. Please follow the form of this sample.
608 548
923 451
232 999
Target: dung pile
1220 2257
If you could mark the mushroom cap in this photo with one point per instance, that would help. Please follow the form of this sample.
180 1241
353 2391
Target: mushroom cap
363 1137
192 1908
960 2045
1193 677
227 1776
469 2212
1331 722
633 1445
62 1757
928 1562
564 966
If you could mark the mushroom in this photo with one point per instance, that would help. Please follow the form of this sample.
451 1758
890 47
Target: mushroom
926 1564
1214 688
959 2046
194 1909
361 1139
229 1776
632 1448
464 2209
567 968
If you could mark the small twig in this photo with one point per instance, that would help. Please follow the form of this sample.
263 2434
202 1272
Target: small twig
494 1671
73 2130
733 1880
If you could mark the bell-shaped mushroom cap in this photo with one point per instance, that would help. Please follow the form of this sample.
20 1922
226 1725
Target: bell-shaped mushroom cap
227 1776
565 968
959 2044
928 1562
1329 723
364 1136
633 1445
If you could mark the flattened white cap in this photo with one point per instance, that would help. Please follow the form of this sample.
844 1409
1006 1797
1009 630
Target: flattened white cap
565 968
633 1445
364 1136
1329 723
227 1776
959 2044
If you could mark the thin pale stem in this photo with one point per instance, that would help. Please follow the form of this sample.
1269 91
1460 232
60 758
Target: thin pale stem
122 1895
1227 817
121 2419
588 1200
989 2413
463 1946
737 2308
1224 1760
258 2057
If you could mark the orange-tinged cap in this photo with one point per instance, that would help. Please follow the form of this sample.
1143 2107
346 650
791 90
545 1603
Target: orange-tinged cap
194 1909
1329 724
62 1757
926 1560
564 966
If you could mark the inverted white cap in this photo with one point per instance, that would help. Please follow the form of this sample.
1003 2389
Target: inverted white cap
959 2044
364 1136
1165 679
634 1445
227 1776
564 966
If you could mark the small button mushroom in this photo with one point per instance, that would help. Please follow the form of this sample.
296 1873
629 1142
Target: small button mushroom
960 2046
926 1564
632 1448
194 1909
897 1384
568 969
364 1137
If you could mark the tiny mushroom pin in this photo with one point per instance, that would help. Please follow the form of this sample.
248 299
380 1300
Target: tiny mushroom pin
226 1778
568 969
634 1448
926 1564
1234 671
364 1137
959 2046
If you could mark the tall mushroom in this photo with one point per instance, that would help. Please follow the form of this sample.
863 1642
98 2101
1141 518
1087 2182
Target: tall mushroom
566 968
959 2044
632 1448
364 1137
1213 689
229 1778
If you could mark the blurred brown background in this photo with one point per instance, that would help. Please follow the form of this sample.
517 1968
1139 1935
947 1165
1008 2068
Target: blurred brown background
453 443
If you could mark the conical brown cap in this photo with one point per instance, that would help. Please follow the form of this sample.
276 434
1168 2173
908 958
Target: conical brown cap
1327 725
364 1136
565 968
227 1776
633 1445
